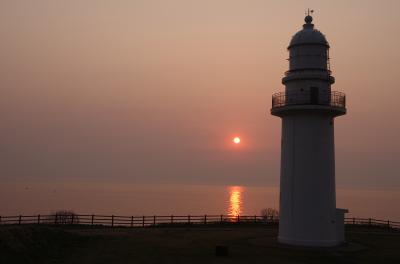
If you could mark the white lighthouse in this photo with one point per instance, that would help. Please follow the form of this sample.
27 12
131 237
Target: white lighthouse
308 106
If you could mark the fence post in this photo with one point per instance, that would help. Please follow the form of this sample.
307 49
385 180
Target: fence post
238 218
72 219
154 220
132 221
189 219
369 221
55 219
92 219
112 220
220 219
38 219
255 219
143 221
354 220
205 219
19 219
172 219
388 224
0 219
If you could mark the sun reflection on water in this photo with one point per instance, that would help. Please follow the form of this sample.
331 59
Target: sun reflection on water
235 200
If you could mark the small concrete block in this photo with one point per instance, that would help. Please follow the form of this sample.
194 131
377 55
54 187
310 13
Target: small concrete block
221 251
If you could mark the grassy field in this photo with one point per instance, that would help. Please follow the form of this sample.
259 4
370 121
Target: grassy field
247 244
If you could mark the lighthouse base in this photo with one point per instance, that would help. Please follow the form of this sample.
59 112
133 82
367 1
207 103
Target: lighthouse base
311 237
309 243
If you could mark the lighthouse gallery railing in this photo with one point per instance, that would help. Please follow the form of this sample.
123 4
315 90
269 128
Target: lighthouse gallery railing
334 99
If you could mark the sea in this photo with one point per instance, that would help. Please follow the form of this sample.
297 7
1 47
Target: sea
176 199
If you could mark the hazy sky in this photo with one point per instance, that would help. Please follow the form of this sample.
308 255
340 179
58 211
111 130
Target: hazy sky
154 90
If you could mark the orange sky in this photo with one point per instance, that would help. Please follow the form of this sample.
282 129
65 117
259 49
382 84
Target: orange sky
154 90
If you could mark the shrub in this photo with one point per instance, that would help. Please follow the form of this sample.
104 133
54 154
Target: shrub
269 213
64 217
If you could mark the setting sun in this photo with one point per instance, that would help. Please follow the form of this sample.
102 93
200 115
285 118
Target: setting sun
236 140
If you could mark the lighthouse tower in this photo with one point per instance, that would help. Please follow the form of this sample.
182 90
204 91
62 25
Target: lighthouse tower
308 106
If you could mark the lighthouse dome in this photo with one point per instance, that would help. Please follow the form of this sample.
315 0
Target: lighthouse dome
308 35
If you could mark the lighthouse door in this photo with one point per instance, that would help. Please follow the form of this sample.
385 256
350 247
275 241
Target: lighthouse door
314 95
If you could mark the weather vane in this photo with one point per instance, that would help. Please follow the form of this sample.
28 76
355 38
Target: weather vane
309 12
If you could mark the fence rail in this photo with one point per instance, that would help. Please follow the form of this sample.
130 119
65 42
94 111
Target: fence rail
159 220
372 222
131 221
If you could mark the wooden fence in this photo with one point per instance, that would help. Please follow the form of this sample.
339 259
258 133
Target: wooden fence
132 221
372 222
160 220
